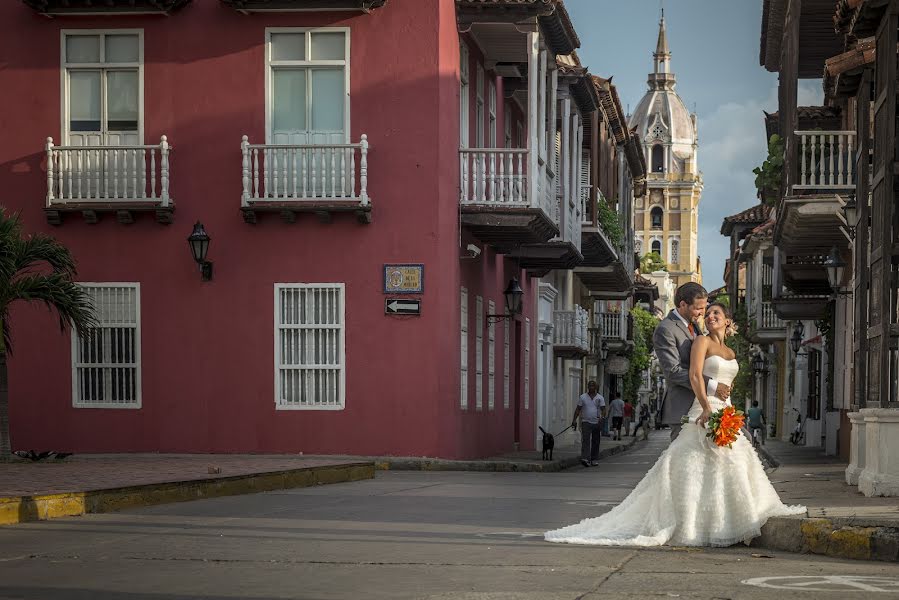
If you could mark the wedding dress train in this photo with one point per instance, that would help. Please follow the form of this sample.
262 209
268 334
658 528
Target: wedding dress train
696 494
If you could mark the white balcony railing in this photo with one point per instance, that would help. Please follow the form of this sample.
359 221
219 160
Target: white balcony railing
766 317
494 176
305 172
570 328
826 159
114 174
612 325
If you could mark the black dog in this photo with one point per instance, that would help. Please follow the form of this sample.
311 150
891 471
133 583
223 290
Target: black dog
549 442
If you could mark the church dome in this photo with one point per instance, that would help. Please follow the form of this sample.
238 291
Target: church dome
661 116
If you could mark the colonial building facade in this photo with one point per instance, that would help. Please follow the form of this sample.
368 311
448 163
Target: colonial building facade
667 219
368 205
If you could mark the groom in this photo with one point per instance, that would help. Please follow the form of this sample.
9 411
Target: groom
672 340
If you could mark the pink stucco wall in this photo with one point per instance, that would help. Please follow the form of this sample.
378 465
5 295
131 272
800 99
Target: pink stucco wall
207 348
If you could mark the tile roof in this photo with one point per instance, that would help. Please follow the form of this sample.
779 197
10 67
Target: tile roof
757 215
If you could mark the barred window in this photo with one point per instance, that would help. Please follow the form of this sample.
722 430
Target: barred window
310 363
463 391
106 361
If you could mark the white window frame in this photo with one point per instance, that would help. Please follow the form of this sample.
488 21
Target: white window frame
479 355
464 93
506 352
479 106
138 403
491 114
307 64
341 327
491 358
463 395
527 363
66 67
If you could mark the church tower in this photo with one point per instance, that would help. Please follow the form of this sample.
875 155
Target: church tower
666 220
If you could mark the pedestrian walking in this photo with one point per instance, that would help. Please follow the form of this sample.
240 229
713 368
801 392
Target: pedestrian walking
643 422
616 411
591 408
628 417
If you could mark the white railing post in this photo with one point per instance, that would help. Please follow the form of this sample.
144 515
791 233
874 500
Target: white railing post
245 168
50 171
363 171
164 170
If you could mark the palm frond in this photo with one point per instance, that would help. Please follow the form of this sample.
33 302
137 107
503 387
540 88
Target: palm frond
70 301
40 248
10 239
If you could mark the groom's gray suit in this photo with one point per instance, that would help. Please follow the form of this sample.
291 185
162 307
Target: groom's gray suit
672 343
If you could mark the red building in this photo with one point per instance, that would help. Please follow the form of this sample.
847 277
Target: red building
317 147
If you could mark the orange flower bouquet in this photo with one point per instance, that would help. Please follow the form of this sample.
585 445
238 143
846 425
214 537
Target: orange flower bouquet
724 426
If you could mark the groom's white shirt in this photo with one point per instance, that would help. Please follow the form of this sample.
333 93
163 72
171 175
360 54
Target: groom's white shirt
712 387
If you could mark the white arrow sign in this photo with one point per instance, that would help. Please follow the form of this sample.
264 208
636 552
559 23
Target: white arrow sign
407 307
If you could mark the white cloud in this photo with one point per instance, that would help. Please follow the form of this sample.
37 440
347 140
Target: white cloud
731 143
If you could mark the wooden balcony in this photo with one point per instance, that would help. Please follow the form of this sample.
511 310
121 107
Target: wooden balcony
500 204
264 6
826 161
290 179
93 180
769 327
571 337
801 306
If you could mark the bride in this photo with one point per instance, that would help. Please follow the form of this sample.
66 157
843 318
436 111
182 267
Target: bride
697 494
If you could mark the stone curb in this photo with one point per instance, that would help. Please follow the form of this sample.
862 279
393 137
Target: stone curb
838 538
21 509
831 537
385 463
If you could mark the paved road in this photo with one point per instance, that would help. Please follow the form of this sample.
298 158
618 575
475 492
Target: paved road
403 535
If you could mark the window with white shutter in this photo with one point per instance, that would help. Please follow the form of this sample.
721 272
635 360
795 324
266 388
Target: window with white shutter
106 362
491 112
491 358
463 395
479 355
506 348
479 107
310 355
586 207
463 92
527 364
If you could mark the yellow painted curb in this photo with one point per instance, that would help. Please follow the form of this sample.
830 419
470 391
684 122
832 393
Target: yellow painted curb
844 542
52 506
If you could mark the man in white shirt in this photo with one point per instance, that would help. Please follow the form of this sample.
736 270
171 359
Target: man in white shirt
591 407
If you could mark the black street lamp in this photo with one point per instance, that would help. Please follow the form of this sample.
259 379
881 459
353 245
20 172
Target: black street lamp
514 295
758 364
199 246
850 212
836 267
604 351
796 339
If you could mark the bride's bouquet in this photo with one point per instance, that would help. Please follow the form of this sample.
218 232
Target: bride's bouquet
724 425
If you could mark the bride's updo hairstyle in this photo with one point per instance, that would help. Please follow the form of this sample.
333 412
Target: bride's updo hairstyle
731 328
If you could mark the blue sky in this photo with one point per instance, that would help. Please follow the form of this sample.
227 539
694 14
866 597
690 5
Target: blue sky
715 55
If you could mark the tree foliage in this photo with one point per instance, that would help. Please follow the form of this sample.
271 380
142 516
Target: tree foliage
35 268
644 325
769 175
651 262
610 223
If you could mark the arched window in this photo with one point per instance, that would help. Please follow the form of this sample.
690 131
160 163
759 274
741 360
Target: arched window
658 159
655 217
657 247
638 246
675 251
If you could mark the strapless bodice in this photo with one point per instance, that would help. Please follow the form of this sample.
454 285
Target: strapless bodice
720 369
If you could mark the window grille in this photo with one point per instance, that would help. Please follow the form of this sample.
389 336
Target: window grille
309 346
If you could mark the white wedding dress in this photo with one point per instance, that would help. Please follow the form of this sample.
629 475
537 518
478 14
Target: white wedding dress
696 494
